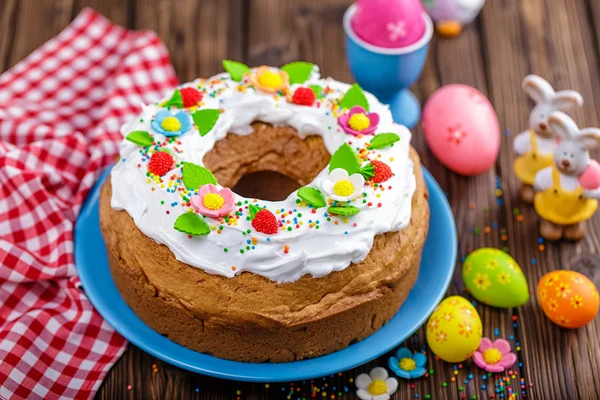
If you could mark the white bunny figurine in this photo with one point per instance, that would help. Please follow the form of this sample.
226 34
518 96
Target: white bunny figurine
560 201
536 145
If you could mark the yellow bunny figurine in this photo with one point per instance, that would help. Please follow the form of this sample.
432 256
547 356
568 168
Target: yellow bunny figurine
536 145
562 203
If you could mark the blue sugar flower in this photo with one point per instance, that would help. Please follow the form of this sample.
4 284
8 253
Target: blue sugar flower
171 124
408 365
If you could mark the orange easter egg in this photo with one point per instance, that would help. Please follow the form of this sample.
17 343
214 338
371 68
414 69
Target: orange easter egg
568 298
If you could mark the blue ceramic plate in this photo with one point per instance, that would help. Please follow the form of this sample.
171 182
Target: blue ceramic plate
437 267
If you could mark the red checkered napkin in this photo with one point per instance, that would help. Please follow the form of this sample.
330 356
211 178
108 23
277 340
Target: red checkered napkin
60 113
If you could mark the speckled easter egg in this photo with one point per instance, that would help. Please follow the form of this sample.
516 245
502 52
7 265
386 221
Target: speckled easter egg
461 129
494 278
454 329
590 179
389 23
568 298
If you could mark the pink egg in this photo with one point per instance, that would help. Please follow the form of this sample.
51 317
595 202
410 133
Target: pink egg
461 129
590 179
389 23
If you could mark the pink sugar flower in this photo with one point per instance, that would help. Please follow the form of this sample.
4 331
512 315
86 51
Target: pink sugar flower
212 201
358 121
494 357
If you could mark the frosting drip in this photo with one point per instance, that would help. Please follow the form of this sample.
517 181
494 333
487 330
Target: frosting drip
311 247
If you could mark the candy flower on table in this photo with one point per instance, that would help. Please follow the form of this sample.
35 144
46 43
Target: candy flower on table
408 365
212 201
341 187
171 124
270 80
494 356
377 385
358 121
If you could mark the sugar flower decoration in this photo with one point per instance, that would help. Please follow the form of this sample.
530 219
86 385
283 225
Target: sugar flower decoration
358 121
377 385
212 201
341 187
270 80
408 365
171 124
494 357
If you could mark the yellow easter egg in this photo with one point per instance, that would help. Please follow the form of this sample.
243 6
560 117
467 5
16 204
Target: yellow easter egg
454 329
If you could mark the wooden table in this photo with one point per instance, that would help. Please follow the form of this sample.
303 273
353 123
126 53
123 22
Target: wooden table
558 39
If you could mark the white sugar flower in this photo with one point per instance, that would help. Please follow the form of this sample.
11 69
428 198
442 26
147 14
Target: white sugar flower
342 187
375 386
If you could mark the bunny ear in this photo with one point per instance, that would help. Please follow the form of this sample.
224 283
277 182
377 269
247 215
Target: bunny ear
563 125
589 138
537 88
566 100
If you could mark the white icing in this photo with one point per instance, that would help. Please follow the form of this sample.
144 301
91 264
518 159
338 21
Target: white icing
312 251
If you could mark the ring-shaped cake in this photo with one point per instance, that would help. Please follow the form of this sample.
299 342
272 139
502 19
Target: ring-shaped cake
255 280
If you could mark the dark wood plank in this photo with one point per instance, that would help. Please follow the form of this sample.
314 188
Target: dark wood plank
502 27
48 17
581 71
120 12
199 34
593 14
562 55
8 10
300 30
472 199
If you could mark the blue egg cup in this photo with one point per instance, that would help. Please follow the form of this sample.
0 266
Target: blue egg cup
388 73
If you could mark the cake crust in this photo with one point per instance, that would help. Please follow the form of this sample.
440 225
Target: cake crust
249 317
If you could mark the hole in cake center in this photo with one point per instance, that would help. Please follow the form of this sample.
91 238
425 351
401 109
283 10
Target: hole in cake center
266 185
268 164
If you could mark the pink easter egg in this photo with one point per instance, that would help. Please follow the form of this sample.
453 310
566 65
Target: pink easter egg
590 179
461 129
389 23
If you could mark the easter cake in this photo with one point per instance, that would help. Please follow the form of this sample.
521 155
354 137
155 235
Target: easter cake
255 280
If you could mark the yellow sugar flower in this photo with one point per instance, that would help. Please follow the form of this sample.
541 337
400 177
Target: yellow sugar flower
270 80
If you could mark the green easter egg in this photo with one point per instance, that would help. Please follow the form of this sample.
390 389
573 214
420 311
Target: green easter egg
494 278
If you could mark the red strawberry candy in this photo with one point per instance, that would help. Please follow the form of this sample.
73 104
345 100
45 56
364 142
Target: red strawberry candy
265 222
382 171
190 96
160 163
304 96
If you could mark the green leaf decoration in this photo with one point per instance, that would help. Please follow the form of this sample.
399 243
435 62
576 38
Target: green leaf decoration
344 157
191 224
355 97
254 210
383 140
318 91
237 70
195 176
141 138
176 100
206 119
367 171
343 210
312 196
298 71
